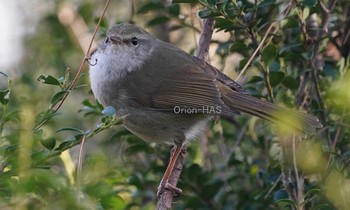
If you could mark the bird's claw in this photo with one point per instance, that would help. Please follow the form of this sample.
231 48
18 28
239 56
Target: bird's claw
166 186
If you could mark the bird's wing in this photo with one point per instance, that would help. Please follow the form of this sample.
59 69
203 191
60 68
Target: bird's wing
195 86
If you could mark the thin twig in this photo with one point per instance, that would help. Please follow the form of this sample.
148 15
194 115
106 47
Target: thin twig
273 187
280 17
346 37
267 81
324 22
336 137
255 52
79 168
80 69
132 11
87 55
300 186
302 23
192 26
80 157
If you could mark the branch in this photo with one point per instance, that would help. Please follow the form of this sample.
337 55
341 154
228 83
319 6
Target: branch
166 197
267 82
314 61
255 52
205 38
80 69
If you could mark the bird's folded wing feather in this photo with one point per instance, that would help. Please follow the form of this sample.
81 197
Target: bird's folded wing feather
189 87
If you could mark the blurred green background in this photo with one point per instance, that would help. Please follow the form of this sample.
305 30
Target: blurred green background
244 163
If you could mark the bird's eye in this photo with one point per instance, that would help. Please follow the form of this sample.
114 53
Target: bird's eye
134 41
106 40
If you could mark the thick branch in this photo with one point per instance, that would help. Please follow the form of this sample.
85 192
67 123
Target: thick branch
166 199
205 38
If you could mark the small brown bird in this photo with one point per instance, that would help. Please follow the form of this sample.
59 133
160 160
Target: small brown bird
168 95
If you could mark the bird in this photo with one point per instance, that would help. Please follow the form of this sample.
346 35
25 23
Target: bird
168 95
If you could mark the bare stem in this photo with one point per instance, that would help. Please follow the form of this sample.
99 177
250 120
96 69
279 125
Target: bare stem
205 38
255 52
166 198
80 69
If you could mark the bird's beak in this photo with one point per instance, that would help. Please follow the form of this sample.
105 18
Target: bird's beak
115 39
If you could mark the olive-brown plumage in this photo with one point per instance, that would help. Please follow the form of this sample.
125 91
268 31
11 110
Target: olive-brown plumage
149 81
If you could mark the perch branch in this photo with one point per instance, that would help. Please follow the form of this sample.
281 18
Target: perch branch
166 198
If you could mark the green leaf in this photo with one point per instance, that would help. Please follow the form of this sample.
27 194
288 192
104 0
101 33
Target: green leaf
222 49
239 47
265 3
48 143
193 202
193 172
113 201
308 55
269 54
248 17
322 206
12 116
135 180
58 97
45 116
276 77
151 6
4 96
88 103
223 24
331 70
211 3
290 82
185 1
204 13
233 161
207 13
229 8
158 21
255 79
280 195
289 22
174 10
286 201
309 193
137 148
310 3
50 80
104 23
274 66
287 47
70 143
212 189
70 129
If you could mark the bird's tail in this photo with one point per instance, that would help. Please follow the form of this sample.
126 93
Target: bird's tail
245 103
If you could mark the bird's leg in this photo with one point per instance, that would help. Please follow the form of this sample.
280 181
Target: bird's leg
164 184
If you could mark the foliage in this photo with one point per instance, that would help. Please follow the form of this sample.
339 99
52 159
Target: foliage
240 163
